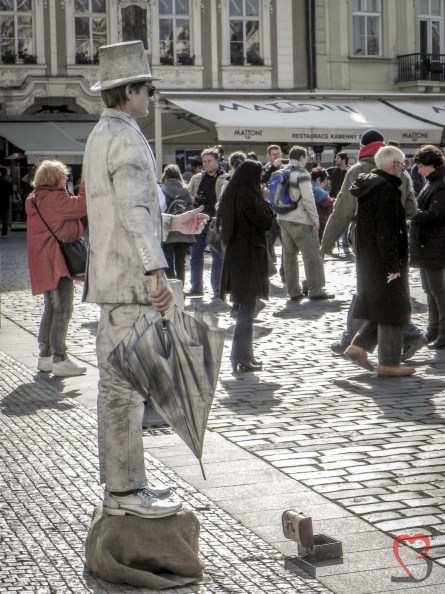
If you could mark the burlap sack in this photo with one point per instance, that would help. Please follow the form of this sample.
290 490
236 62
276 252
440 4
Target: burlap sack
157 554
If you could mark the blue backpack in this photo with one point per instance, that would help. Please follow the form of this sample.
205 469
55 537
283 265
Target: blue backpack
280 199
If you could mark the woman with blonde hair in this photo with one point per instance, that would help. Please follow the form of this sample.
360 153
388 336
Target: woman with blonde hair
50 205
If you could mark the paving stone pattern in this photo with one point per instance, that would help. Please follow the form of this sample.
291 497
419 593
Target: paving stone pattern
49 488
373 445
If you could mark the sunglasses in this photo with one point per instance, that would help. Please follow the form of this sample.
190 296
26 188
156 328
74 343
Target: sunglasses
151 90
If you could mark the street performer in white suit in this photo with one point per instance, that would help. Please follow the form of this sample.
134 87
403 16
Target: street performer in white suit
126 229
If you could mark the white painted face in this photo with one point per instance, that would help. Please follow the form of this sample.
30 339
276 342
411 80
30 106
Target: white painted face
138 101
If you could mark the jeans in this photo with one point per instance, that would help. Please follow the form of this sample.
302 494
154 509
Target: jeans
120 408
175 254
433 283
296 237
410 332
58 308
242 349
387 336
197 265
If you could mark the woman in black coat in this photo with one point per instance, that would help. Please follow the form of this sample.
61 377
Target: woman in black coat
243 218
428 239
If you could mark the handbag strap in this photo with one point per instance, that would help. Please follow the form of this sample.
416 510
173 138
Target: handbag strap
43 220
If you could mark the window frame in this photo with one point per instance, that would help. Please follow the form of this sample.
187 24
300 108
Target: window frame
365 15
244 20
265 9
36 48
429 20
174 17
92 57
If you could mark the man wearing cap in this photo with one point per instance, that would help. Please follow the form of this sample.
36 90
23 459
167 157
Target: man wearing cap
343 218
126 229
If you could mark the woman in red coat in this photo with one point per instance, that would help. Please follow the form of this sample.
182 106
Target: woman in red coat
47 268
243 218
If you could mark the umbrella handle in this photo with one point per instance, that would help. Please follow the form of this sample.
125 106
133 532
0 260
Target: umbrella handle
153 280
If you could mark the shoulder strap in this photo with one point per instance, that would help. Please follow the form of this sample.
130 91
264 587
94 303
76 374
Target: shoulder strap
43 220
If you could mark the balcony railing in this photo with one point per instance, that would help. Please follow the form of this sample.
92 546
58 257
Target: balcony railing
421 67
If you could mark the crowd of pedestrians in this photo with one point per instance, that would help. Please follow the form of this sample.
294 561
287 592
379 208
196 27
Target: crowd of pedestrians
242 239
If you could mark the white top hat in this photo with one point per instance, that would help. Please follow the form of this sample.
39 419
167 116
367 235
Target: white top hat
121 64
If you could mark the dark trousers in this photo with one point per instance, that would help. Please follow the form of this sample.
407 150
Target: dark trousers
272 236
242 348
388 337
410 332
433 283
175 254
4 220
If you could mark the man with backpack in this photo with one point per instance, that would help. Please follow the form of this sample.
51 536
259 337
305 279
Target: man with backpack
299 226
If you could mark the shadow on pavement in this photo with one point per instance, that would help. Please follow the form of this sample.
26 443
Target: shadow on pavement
25 401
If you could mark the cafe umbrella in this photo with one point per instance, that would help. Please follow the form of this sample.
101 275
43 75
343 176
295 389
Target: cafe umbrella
174 363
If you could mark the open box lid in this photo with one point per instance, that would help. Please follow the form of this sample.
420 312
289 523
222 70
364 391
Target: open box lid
298 527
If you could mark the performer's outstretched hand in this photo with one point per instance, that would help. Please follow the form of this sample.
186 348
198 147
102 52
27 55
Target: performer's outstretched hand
191 222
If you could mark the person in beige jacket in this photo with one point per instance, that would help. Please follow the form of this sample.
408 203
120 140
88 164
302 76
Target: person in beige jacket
299 233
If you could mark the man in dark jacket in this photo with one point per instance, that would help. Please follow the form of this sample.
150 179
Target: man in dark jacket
382 266
427 249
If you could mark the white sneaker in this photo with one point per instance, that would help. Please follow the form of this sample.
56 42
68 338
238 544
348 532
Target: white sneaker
67 368
140 503
45 363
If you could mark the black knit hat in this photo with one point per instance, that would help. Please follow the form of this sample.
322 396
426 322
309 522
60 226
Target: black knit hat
371 136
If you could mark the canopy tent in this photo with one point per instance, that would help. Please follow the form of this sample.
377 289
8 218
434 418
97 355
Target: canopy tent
303 120
61 137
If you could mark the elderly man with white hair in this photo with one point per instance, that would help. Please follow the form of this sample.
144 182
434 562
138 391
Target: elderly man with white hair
382 265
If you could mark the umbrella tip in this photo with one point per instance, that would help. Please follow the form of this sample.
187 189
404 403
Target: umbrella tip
202 469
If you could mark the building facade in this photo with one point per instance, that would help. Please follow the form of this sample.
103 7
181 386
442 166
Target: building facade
242 72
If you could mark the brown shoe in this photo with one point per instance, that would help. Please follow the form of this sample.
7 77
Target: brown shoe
395 370
358 356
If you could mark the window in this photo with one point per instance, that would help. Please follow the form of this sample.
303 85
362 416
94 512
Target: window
366 27
134 24
245 32
174 32
16 30
90 26
430 16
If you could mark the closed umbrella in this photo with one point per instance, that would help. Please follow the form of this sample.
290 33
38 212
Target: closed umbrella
174 363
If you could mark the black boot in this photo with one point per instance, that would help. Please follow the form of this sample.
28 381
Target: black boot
439 343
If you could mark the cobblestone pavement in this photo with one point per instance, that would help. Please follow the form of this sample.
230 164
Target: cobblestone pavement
47 496
374 446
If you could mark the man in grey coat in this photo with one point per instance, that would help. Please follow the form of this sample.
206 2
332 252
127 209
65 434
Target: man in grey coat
343 218
126 229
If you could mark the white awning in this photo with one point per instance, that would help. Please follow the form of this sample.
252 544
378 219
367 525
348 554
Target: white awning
301 120
429 110
61 140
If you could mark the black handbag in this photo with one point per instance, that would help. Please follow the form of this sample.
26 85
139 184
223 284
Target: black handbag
74 252
213 236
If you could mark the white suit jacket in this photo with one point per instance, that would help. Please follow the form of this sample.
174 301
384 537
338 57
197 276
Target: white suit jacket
125 222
